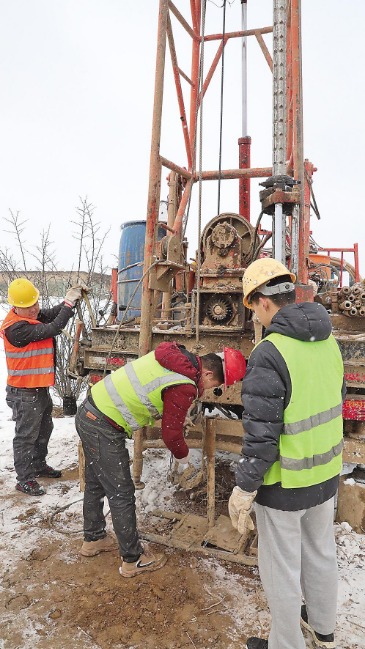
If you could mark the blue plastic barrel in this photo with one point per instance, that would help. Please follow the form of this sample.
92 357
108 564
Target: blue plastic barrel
131 252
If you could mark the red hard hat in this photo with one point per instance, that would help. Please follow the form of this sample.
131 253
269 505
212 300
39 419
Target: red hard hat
234 366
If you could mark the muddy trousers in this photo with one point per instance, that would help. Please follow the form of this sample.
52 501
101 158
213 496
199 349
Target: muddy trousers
297 555
107 473
32 413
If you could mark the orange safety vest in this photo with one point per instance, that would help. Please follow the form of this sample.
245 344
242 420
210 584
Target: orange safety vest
31 366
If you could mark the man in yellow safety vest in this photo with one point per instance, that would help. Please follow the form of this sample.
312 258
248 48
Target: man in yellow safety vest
292 395
162 384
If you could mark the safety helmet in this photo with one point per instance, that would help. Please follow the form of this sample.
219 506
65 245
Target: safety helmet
22 293
259 273
234 366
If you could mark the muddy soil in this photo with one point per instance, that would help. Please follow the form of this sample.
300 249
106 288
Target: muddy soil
55 599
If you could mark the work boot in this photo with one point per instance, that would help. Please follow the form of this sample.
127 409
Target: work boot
32 488
320 640
47 472
147 562
257 643
92 548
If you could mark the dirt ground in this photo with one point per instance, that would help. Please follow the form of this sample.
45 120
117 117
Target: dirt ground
54 598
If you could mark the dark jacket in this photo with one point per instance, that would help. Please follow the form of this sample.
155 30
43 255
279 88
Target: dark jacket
266 392
51 323
178 399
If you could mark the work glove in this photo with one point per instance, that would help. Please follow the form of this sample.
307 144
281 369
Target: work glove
239 507
73 294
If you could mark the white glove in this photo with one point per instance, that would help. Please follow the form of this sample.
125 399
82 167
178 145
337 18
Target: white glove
184 460
239 507
73 294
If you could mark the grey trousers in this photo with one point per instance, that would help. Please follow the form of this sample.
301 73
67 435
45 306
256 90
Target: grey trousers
107 473
297 554
32 413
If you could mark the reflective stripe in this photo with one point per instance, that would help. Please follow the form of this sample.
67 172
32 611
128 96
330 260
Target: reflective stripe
311 422
35 370
119 403
309 462
140 390
34 352
168 378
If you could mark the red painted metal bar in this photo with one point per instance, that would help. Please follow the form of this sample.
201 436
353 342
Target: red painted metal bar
228 174
194 15
304 227
298 152
338 249
182 20
264 49
356 255
179 92
194 77
185 76
247 32
182 207
244 148
212 69
355 250
173 167
154 183
341 276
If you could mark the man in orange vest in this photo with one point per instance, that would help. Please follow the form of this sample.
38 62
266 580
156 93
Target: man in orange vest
28 335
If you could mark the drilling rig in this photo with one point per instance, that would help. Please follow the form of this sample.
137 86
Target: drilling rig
199 304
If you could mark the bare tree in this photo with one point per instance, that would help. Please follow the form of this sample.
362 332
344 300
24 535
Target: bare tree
89 267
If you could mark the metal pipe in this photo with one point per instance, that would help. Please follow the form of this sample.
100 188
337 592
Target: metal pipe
227 174
154 183
244 67
244 148
171 214
247 32
296 129
182 207
179 92
195 79
264 49
356 255
182 21
279 120
174 167
295 240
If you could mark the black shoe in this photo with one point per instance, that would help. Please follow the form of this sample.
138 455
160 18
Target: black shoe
48 472
257 643
322 641
32 488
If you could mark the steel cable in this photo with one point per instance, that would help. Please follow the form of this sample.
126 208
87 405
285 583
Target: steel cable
221 111
204 6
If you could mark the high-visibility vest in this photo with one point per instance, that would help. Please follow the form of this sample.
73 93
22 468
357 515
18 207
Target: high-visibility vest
31 366
132 395
310 446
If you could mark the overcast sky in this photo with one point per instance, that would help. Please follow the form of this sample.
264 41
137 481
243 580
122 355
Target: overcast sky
77 80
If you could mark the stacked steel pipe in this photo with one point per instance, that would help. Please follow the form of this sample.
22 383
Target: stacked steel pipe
351 300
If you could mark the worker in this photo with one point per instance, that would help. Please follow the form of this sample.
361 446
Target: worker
292 395
28 334
164 383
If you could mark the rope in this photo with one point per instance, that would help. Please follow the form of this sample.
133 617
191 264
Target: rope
204 7
221 115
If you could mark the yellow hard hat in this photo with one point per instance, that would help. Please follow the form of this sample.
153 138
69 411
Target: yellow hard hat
259 273
22 293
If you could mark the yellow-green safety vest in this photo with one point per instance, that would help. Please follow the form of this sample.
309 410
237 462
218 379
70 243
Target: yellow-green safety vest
310 446
132 395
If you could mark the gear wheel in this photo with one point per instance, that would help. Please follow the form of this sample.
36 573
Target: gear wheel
219 309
